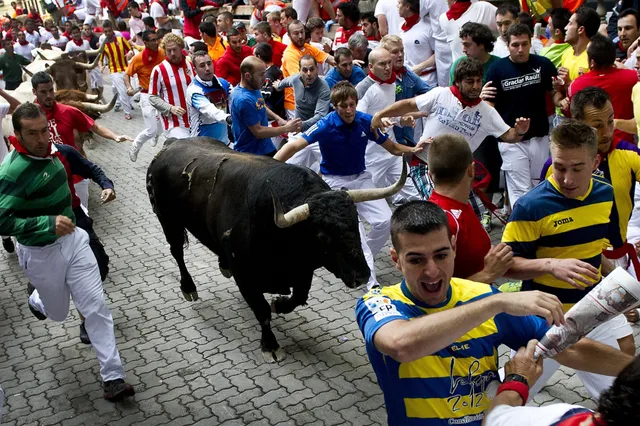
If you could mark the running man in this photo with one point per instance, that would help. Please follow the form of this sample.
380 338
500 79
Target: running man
115 50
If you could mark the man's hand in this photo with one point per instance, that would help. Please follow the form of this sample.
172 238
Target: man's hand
523 364
176 110
573 271
358 62
123 138
536 302
488 91
564 104
130 91
107 195
422 145
64 226
407 121
207 8
498 260
522 125
293 126
377 122
563 77
619 64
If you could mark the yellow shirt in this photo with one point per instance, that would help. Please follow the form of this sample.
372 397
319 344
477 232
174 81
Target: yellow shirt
577 65
635 98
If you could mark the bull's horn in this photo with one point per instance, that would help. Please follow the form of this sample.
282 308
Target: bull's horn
26 71
93 98
360 195
95 62
44 58
285 220
100 108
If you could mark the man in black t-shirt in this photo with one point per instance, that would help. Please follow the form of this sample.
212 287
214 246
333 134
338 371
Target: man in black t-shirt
519 85
273 98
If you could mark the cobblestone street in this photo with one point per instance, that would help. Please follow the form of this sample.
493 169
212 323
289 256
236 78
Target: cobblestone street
191 362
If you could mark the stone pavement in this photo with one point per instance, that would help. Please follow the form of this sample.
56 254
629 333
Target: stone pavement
191 363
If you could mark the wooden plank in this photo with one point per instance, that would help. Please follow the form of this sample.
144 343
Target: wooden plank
245 10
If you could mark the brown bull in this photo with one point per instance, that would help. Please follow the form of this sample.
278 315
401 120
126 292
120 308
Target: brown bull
69 71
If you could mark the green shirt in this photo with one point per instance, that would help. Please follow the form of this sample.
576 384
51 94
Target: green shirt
554 53
486 66
10 67
33 191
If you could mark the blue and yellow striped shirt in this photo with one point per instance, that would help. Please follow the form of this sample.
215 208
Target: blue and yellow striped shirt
449 386
546 224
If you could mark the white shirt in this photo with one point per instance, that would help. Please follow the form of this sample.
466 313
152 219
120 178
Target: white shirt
60 43
481 12
287 40
33 38
389 8
377 97
71 46
136 26
501 50
505 415
419 45
44 35
431 10
447 115
156 11
24 51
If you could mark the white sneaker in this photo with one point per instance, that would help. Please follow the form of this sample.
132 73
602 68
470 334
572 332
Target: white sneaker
133 154
154 142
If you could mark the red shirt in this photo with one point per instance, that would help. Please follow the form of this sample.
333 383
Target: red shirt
472 241
228 66
618 83
278 51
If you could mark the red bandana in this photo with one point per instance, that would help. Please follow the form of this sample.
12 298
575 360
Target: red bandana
77 42
457 9
464 102
23 43
149 55
373 38
391 79
347 33
410 22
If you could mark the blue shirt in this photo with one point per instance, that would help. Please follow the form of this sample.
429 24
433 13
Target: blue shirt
248 109
343 145
208 101
333 76
449 386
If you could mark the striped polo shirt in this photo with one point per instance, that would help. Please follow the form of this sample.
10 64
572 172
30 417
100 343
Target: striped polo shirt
116 52
170 82
546 224
451 386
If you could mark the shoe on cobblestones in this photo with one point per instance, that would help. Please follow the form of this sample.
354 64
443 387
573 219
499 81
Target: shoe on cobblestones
8 245
84 336
117 390
36 313
133 154
154 141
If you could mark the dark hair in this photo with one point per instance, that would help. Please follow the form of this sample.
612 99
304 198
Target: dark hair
573 134
233 32
560 17
589 19
208 28
449 158
620 404
340 52
263 27
28 111
306 58
479 33
146 34
342 91
369 17
264 51
122 26
226 15
163 32
133 4
517 30
526 19
315 22
468 68
107 24
290 12
628 12
350 11
199 47
73 28
595 97
417 217
505 8
414 5
601 51
41 77
199 53
148 21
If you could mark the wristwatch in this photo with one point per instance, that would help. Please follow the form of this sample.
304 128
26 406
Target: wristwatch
516 378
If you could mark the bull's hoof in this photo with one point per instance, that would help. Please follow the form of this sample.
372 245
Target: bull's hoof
272 357
191 297
226 273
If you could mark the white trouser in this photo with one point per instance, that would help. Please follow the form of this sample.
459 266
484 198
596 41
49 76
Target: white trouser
66 268
309 156
117 79
522 163
594 383
82 191
377 213
177 132
443 62
153 126
95 78
385 170
302 7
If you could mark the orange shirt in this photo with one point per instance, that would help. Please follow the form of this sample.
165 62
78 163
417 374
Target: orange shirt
142 69
291 65
217 50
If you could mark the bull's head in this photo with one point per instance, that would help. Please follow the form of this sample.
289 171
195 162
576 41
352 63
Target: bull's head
334 218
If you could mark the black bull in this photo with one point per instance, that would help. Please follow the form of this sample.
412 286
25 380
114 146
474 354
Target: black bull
234 204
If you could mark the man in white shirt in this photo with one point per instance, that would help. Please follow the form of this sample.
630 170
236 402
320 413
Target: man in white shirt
45 30
56 39
461 12
389 20
430 11
23 48
136 26
92 9
77 42
385 168
506 16
419 43
31 32
348 17
157 10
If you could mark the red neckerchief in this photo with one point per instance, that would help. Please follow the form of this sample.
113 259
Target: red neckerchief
373 38
347 33
148 55
391 79
402 70
457 9
67 35
584 419
22 150
161 3
23 43
464 102
410 22
558 41
78 42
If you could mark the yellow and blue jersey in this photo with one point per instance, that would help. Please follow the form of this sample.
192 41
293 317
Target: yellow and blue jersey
546 224
452 385
621 167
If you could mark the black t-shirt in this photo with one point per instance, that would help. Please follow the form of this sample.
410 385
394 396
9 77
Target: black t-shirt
273 98
522 91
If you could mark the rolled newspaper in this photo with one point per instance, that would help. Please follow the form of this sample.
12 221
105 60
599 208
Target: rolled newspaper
616 294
